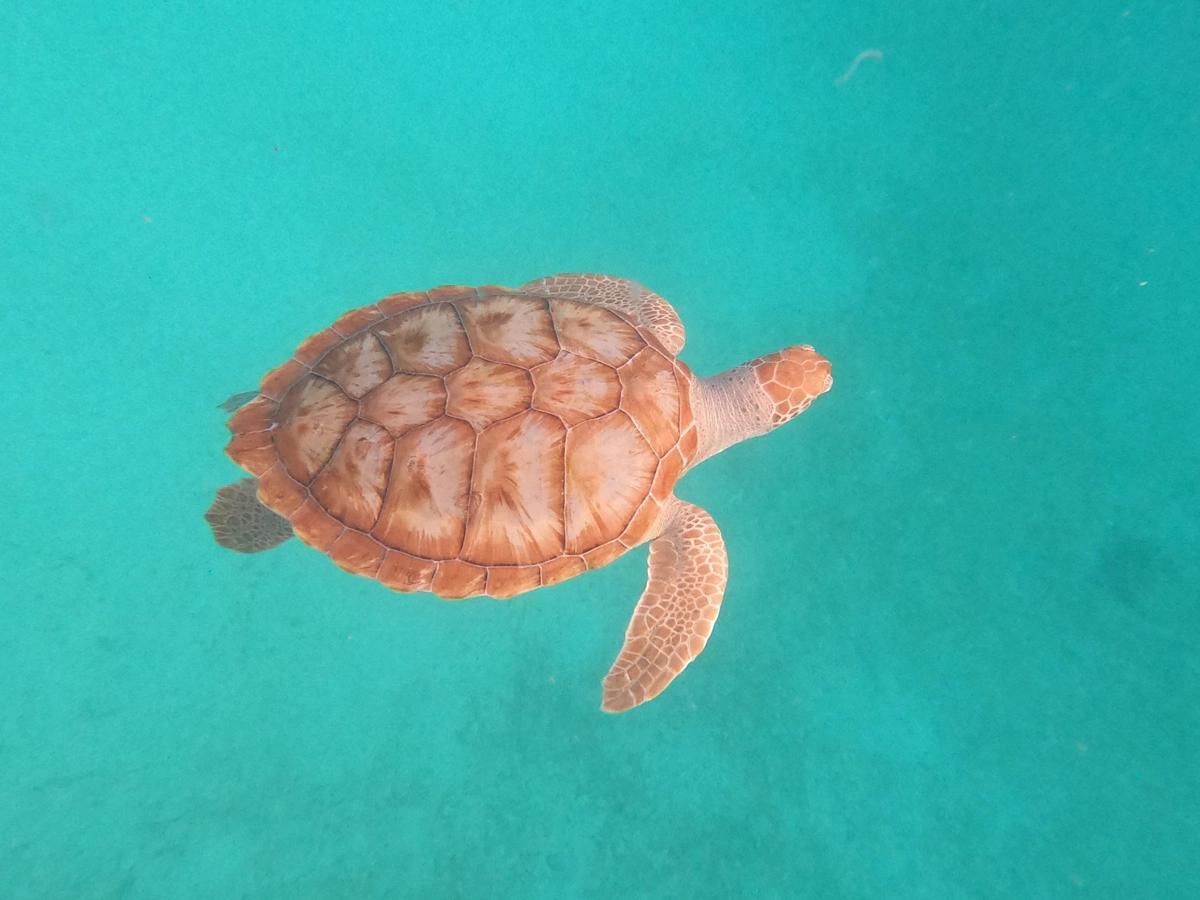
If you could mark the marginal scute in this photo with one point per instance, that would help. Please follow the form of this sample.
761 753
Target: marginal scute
426 499
609 469
669 470
510 329
402 572
594 332
650 394
517 492
683 377
395 303
352 321
604 554
689 443
640 526
315 526
358 553
404 402
575 388
277 382
449 292
279 491
257 415
456 580
313 348
358 365
351 486
427 340
254 452
508 581
483 392
312 418
558 570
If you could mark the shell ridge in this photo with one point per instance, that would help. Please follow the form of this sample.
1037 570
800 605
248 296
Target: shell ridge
562 512
383 502
636 424
553 325
325 465
638 428
386 349
472 502
462 323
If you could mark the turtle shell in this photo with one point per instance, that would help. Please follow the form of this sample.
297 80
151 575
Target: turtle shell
471 441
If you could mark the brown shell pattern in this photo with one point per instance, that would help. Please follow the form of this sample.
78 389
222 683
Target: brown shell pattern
471 441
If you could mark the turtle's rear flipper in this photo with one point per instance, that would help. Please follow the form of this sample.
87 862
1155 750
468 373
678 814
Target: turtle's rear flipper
241 523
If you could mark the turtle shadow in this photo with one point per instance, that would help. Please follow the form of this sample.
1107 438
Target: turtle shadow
1141 579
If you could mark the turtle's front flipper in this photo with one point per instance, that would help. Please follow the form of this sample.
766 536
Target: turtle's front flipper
646 307
241 523
672 622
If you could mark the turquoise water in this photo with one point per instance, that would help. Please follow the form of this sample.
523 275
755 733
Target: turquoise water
958 652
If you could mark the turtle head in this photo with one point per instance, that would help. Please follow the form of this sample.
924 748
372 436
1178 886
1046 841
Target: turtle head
792 379
756 397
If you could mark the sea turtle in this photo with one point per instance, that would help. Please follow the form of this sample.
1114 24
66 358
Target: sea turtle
469 441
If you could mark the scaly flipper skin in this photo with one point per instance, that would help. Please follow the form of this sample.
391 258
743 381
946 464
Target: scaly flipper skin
675 616
241 523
